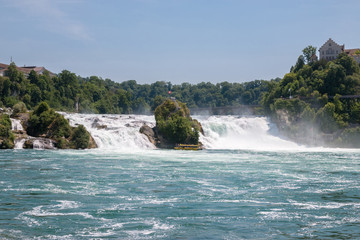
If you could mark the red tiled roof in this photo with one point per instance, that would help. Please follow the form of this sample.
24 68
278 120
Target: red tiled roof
351 52
26 70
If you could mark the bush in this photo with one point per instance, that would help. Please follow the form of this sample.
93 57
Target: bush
45 120
5 120
80 137
174 122
20 107
6 135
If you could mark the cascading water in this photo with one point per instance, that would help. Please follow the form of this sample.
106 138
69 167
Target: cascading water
115 131
16 125
232 132
19 143
221 132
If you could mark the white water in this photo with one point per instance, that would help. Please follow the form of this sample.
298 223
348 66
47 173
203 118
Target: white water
19 143
16 125
221 132
115 131
232 132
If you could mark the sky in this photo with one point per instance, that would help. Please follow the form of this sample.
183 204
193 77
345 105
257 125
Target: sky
172 40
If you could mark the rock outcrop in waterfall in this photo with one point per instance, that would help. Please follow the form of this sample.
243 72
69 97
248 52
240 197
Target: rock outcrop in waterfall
173 126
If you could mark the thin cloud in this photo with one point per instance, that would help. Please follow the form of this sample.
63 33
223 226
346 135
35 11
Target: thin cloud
53 18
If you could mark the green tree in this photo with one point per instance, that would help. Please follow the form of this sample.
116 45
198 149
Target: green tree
308 52
80 137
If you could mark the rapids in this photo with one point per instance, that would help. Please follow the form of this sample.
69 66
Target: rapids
221 132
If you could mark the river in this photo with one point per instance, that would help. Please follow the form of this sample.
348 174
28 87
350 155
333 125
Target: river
250 183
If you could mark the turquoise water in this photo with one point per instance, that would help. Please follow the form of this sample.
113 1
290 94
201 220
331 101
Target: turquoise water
158 194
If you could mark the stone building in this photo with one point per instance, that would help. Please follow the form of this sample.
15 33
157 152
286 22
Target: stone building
330 50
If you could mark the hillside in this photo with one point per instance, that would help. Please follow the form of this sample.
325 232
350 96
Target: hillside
318 102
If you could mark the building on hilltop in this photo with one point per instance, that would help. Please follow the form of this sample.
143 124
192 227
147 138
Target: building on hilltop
330 50
25 70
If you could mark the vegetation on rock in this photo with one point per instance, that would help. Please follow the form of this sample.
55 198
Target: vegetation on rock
173 121
45 122
6 136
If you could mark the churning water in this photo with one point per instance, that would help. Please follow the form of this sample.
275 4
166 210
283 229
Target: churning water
248 184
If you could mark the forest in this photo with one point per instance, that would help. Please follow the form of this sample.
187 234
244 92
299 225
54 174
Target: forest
69 92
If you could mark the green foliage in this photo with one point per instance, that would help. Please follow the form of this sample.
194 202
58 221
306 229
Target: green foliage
320 85
308 52
80 137
174 122
68 92
44 120
6 136
325 118
292 106
350 137
5 120
308 115
19 107
299 63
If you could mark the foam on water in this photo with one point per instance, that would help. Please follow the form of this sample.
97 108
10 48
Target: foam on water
231 132
221 132
119 132
19 143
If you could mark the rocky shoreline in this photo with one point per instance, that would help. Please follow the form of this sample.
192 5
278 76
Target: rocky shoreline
17 134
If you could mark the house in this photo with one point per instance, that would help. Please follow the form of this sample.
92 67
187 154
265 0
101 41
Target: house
355 53
330 50
25 70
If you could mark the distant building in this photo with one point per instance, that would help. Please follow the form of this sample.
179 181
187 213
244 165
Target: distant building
330 50
25 70
355 53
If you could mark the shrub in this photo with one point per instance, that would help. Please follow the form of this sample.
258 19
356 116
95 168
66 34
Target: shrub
5 120
6 135
45 120
80 137
20 107
174 122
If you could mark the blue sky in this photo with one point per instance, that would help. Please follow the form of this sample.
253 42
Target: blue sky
172 40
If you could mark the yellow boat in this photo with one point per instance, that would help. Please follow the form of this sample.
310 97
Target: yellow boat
187 147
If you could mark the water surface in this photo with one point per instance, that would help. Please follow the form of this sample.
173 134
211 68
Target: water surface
167 194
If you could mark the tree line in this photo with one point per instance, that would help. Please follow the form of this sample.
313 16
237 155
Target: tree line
69 92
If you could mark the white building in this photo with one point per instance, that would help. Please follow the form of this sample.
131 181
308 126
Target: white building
330 50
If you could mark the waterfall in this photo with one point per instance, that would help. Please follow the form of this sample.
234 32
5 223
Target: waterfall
121 132
111 131
16 125
19 143
232 132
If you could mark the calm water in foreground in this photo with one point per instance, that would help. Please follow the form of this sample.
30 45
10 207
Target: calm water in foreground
158 194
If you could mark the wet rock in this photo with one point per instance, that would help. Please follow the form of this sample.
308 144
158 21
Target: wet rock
97 125
149 132
39 143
